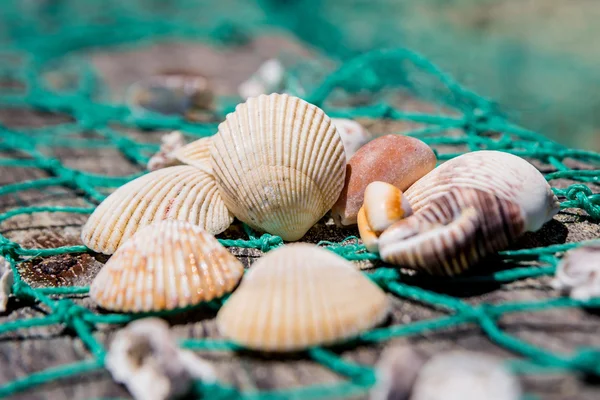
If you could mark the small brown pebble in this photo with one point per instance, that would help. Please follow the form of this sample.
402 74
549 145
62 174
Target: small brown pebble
394 159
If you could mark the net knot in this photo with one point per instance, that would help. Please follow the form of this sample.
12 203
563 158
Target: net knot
473 120
268 242
580 195
8 247
51 164
69 312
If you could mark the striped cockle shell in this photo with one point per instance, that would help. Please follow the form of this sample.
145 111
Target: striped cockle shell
463 375
300 296
182 193
384 205
196 154
167 265
469 207
578 273
279 164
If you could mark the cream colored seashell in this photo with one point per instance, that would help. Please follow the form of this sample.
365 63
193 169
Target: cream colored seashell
182 193
578 273
353 135
397 371
465 375
279 164
6 283
145 357
466 209
167 265
300 296
269 78
196 154
165 156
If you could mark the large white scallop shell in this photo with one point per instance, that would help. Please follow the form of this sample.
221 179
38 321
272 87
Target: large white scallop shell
167 265
578 273
183 193
279 164
466 209
300 296
461 375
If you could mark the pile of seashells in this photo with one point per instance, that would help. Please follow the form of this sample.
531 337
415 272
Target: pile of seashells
279 165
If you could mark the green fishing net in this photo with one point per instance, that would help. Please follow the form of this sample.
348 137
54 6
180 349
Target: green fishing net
36 34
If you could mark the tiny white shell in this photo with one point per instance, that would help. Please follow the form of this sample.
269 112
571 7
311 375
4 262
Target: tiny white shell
6 283
384 205
182 193
353 135
299 296
167 265
269 78
578 273
145 358
165 156
279 164
461 375
397 371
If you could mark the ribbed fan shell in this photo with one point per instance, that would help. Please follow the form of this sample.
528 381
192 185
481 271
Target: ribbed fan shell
182 193
502 174
167 265
196 154
301 296
279 163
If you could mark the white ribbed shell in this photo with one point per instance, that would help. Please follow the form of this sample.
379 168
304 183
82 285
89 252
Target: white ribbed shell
167 265
183 193
502 174
300 296
196 154
279 163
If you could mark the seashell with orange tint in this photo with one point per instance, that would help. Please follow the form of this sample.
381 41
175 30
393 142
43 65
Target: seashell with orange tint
469 207
384 205
182 193
300 296
463 375
394 159
353 135
578 273
279 164
167 265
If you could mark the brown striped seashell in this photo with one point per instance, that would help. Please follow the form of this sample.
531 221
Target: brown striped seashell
279 164
463 375
469 207
196 154
167 265
578 273
394 159
182 193
384 205
300 296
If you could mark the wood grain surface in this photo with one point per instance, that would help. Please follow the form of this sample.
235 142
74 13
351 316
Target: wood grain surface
25 351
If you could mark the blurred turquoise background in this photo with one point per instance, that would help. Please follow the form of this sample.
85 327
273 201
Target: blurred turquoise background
539 59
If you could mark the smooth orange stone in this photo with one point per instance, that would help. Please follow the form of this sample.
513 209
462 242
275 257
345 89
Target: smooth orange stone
394 159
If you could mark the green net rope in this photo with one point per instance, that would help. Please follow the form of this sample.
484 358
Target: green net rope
24 37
